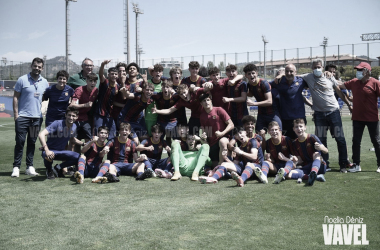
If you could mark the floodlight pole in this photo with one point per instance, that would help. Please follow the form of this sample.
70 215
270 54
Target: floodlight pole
67 33
138 11
265 46
127 51
324 44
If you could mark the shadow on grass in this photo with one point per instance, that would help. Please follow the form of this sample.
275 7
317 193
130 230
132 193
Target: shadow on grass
6 173
35 178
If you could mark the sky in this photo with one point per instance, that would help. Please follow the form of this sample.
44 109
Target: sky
177 28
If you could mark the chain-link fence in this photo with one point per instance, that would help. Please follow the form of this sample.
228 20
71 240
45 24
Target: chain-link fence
344 56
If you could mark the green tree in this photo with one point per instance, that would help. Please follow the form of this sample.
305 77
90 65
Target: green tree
221 66
375 72
210 65
301 71
348 73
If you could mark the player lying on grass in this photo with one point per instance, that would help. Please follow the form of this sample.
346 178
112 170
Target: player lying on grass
308 148
188 158
278 156
121 156
152 148
249 157
59 133
91 159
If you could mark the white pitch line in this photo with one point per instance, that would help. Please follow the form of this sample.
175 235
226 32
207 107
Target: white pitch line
2 125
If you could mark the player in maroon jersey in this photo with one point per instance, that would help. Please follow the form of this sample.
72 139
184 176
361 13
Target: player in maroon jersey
278 156
108 89
216 123
249 124
236 99
91 159
249 157
194 78
132 110
164 100
152 148
190 100
176 76
308 149
220 87
83 99
122 153
128 83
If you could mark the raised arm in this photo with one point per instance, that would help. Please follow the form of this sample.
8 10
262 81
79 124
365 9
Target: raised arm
101 70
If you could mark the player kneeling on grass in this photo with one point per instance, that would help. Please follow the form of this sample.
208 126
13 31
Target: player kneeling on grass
189 157
278 157
59 133
249 154
92 157
122 154
152 148
308 149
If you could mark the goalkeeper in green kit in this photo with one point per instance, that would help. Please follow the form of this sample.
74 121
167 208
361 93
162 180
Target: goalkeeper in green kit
188 156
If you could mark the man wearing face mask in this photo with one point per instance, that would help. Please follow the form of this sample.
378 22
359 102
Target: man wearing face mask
366 90
326 110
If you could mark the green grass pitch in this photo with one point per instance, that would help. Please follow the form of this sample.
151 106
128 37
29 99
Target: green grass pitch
160 214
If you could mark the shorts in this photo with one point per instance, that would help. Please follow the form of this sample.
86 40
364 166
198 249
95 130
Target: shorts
279 165
307 168
194 126
163 164
264 120
214 152
170 129
91 170
124 168
106 122
239 167
138 128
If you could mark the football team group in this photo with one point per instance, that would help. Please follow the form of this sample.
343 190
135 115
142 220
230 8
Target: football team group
101 128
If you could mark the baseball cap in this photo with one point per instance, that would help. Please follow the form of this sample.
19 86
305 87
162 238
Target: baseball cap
363 65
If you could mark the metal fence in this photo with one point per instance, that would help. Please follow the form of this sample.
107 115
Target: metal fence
341 55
